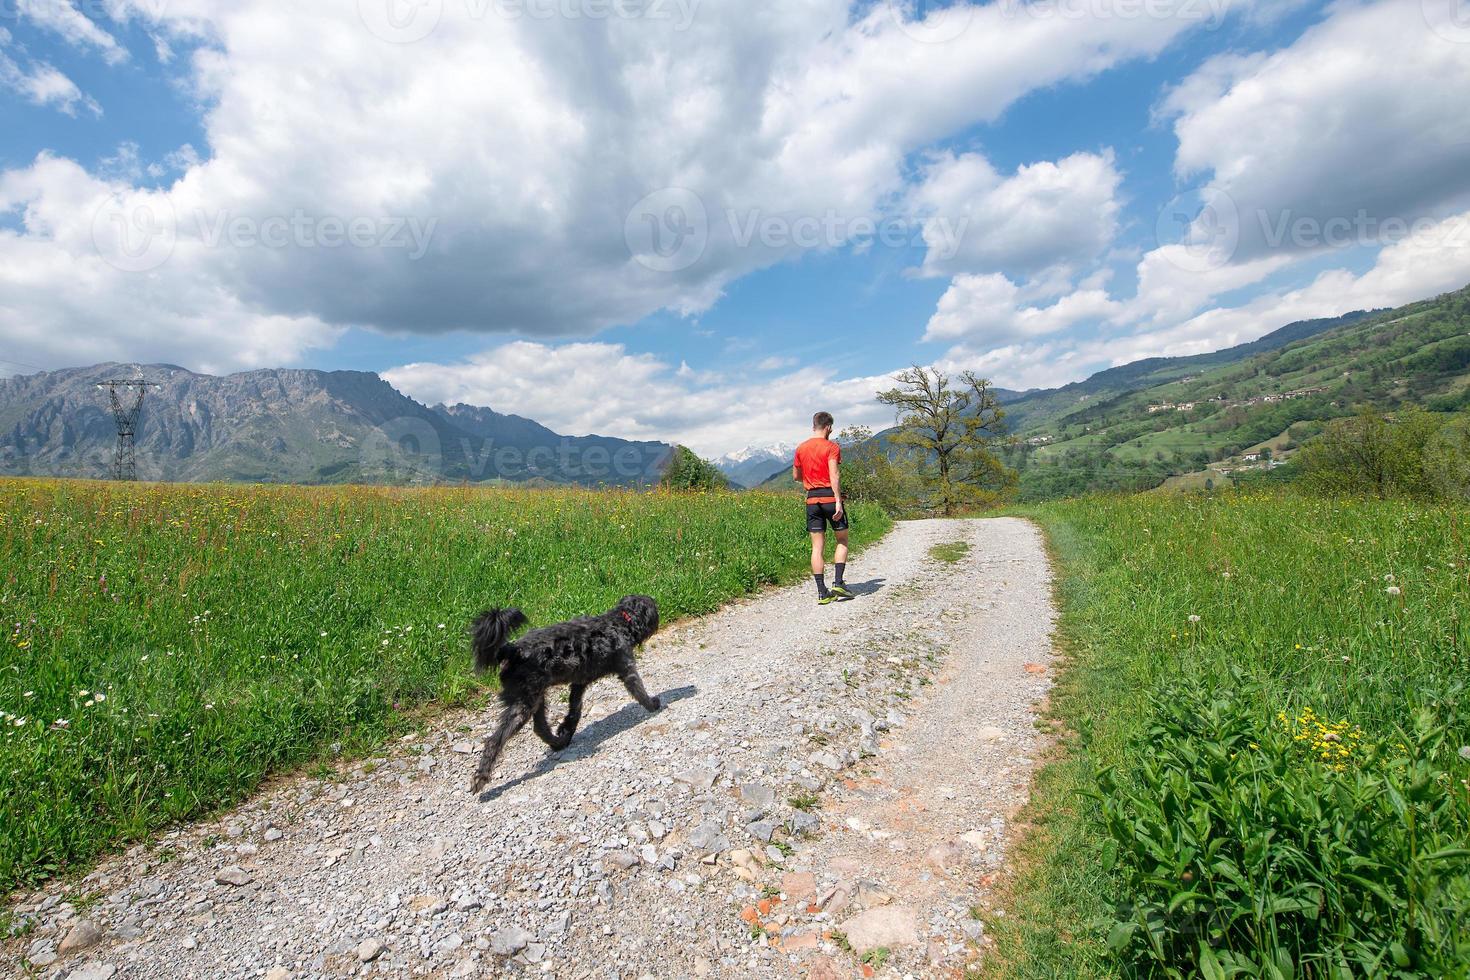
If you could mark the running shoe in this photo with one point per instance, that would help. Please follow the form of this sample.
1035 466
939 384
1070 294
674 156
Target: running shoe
828 598
840 591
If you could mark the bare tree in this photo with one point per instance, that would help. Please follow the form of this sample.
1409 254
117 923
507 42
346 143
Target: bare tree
953 424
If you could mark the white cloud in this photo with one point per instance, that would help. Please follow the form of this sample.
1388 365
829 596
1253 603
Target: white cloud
63 18
41 84
989 309
1433 261
1364 112
528 141
1046 216
64 304
583 388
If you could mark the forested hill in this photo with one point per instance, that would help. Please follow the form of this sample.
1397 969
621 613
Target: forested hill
1219 408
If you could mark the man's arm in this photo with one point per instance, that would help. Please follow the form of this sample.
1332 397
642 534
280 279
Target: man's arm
836 482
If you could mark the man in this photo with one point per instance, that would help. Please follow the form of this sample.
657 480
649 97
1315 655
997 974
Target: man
815 468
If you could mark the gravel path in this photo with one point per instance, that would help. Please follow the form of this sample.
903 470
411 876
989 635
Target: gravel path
826 795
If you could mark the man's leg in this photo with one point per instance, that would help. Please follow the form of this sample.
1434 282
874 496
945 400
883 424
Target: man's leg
839 558
819 569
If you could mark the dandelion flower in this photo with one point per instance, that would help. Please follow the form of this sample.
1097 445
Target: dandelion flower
99 697
1193 619
1465 752
1393 590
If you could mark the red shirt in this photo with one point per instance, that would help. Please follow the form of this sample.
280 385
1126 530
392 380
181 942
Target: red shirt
812 458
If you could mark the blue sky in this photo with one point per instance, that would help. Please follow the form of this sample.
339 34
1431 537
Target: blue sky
176 177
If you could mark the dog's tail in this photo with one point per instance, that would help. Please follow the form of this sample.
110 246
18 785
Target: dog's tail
490 632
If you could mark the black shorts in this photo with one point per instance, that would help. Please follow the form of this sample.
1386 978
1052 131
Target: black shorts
818 516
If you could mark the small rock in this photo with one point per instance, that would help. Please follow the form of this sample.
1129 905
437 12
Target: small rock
234 875
534 952
648 854
799 885
93 971
802 822
272 835
975 839
827 761
84 935
774 855
1034 669
370 949
619 860
800 940
464 748
278 973
707 838
822 968
509 941
890 926
699 779
990 733
762 830
761 796
944 856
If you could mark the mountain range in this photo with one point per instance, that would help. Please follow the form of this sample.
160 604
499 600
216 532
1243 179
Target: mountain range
296 426
750 467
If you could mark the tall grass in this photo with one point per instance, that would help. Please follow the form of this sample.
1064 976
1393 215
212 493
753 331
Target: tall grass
165 647
1266 775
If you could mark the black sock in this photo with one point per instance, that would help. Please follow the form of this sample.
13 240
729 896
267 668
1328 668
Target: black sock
841 565
821 583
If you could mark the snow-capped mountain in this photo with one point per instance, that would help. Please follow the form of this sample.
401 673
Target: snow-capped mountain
752 465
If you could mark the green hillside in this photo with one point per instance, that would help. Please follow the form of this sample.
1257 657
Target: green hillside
1200 418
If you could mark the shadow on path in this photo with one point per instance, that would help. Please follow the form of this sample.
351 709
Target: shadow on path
869 587
590 739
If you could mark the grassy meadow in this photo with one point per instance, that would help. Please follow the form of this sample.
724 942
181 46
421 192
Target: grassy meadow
1266 765
167 646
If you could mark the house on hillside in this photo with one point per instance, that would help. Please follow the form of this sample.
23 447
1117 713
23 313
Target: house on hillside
1251 457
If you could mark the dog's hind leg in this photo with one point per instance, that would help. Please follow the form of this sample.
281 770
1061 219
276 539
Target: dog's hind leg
568 726
634 684
512 719
562 737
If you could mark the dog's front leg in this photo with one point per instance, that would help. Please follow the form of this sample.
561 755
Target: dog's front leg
634 684
512 719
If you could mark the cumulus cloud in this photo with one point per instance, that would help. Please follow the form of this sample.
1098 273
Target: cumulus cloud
1363 115
989 309
1046 216
570 388
530 147
1432 261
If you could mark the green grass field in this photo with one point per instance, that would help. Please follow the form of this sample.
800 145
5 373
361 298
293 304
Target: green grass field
1265 771
165 647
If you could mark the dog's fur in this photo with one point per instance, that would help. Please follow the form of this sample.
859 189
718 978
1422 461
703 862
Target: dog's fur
578 652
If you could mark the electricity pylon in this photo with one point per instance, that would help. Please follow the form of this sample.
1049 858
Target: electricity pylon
126 396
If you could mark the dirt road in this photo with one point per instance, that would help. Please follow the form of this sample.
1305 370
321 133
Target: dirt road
828 788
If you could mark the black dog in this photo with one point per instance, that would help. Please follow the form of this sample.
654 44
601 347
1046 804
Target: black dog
578 653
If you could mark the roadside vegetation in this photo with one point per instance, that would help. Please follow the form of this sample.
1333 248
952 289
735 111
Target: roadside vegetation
1266 765
166 647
